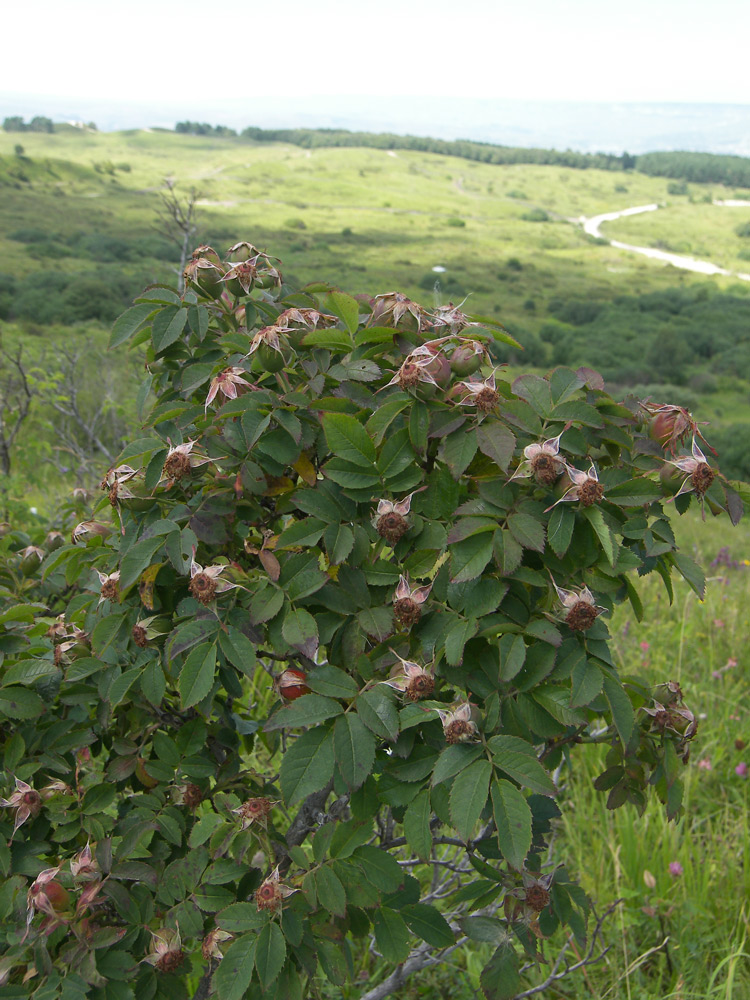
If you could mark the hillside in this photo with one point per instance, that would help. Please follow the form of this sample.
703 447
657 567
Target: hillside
79 237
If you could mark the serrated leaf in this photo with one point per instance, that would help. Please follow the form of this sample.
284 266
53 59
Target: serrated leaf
508 553
691 572
265 605
28 672
339 542
167 327
303 533
458 449
378 712
513 821
331 895
468 797
586 681
307 765
129 323
527 531
603 532
391 935
536 391
20 703
560 529
453 760
430 925
417 825
457 638
500 979
345 307
309 710
469 557
497 442
137 559
621 708
300 631
270 953
231 981
349 440
354 747
197 675
518 764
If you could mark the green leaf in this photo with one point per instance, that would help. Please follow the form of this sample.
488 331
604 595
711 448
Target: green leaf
122 684
20 703
417 825
167 327
430 925
129 323
634 492
307 765
497 442
379 868
339 542
585 682
348 439
458 449
527 531
500 979
241 917
345 307
238 650
516 758
560 529
469 796
603 532
508 553
300 631
453 760
691 572
535 391
329 680
512 656
270 953
456 640
305 532
137 559
197 674
384 416
378 713
377 622
28 672
513 821
331 895
354 747
564 383
265 605
309 710
232 978
621 708
397 454
469 557
391 935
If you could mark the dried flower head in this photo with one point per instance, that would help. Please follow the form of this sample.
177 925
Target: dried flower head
580 610
413 680
241 276
254 811
312 319
166 953
228 384
47 896
274 337
272 892
205 582
89 529
480 393
459 725
585 487
189 794
419 366
390 521
395 309
84 867
110 586
180 460
534 894
451 318
700 475
542 461
408 601
140 636
25 800
212 942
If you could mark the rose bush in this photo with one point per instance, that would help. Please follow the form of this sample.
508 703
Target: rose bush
310 673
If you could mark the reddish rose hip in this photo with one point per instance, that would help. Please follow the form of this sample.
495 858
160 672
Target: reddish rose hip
291 684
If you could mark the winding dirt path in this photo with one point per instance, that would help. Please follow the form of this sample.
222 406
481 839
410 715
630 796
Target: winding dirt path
592 227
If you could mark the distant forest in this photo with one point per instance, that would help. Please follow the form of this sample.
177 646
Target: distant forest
711 168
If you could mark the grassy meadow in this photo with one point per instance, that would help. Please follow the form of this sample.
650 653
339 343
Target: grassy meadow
78 225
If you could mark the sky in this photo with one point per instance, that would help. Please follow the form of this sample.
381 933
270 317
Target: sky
197 51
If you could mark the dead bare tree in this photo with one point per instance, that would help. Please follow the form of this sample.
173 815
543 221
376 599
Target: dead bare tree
177 220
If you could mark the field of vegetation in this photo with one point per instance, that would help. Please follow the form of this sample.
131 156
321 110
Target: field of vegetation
79 237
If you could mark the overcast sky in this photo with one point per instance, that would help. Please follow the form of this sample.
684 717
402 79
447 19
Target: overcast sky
165 50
